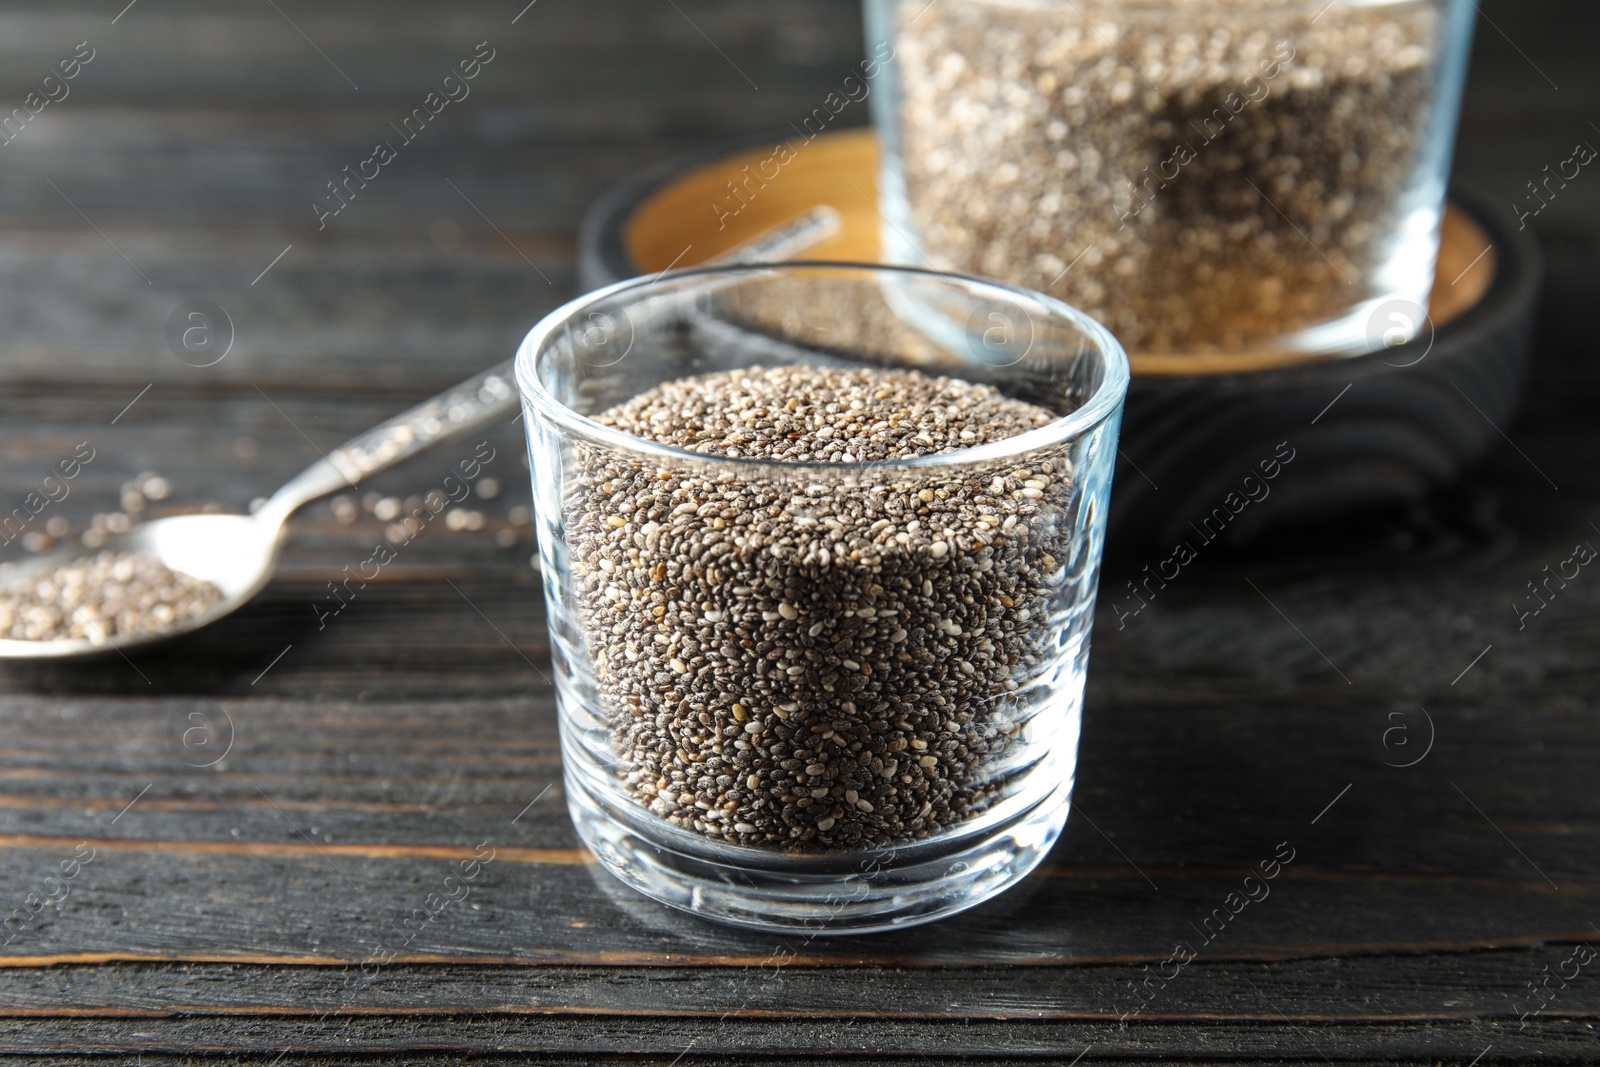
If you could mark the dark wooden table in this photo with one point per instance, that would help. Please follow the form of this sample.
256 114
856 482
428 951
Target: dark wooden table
267 803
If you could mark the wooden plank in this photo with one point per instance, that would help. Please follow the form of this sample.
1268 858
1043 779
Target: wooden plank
251 181
289 897
260 56
371 328
754 1039
775 1059
421 1057
1486 987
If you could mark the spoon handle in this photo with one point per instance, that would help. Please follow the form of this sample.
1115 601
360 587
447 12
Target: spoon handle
475 403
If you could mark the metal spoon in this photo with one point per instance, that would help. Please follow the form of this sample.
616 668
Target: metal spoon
238 553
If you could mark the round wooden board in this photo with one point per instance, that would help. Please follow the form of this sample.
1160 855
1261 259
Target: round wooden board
711 208
680 220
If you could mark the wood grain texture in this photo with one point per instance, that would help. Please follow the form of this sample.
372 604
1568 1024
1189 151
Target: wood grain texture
1401 990
879 1040
228 908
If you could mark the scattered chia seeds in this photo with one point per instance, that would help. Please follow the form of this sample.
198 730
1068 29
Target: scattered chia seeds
1104 151
811 663
114 594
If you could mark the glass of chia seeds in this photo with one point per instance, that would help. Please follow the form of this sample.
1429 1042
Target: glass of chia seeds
820 545
1203 176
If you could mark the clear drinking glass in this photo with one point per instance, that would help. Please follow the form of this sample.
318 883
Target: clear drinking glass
1203 176
824 695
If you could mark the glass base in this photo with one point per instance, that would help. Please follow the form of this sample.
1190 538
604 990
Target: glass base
860 893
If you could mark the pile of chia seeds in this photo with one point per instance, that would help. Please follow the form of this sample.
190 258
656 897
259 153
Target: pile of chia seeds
1204 175
808 662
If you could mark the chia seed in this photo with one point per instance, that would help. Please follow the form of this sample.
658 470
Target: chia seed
810 663
1040 144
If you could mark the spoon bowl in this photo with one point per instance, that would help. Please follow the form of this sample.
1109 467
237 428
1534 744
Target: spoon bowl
235 553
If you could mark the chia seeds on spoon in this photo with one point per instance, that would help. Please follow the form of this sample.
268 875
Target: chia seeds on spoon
113 594
818 667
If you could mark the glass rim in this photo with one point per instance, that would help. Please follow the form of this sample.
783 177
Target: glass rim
1105 402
